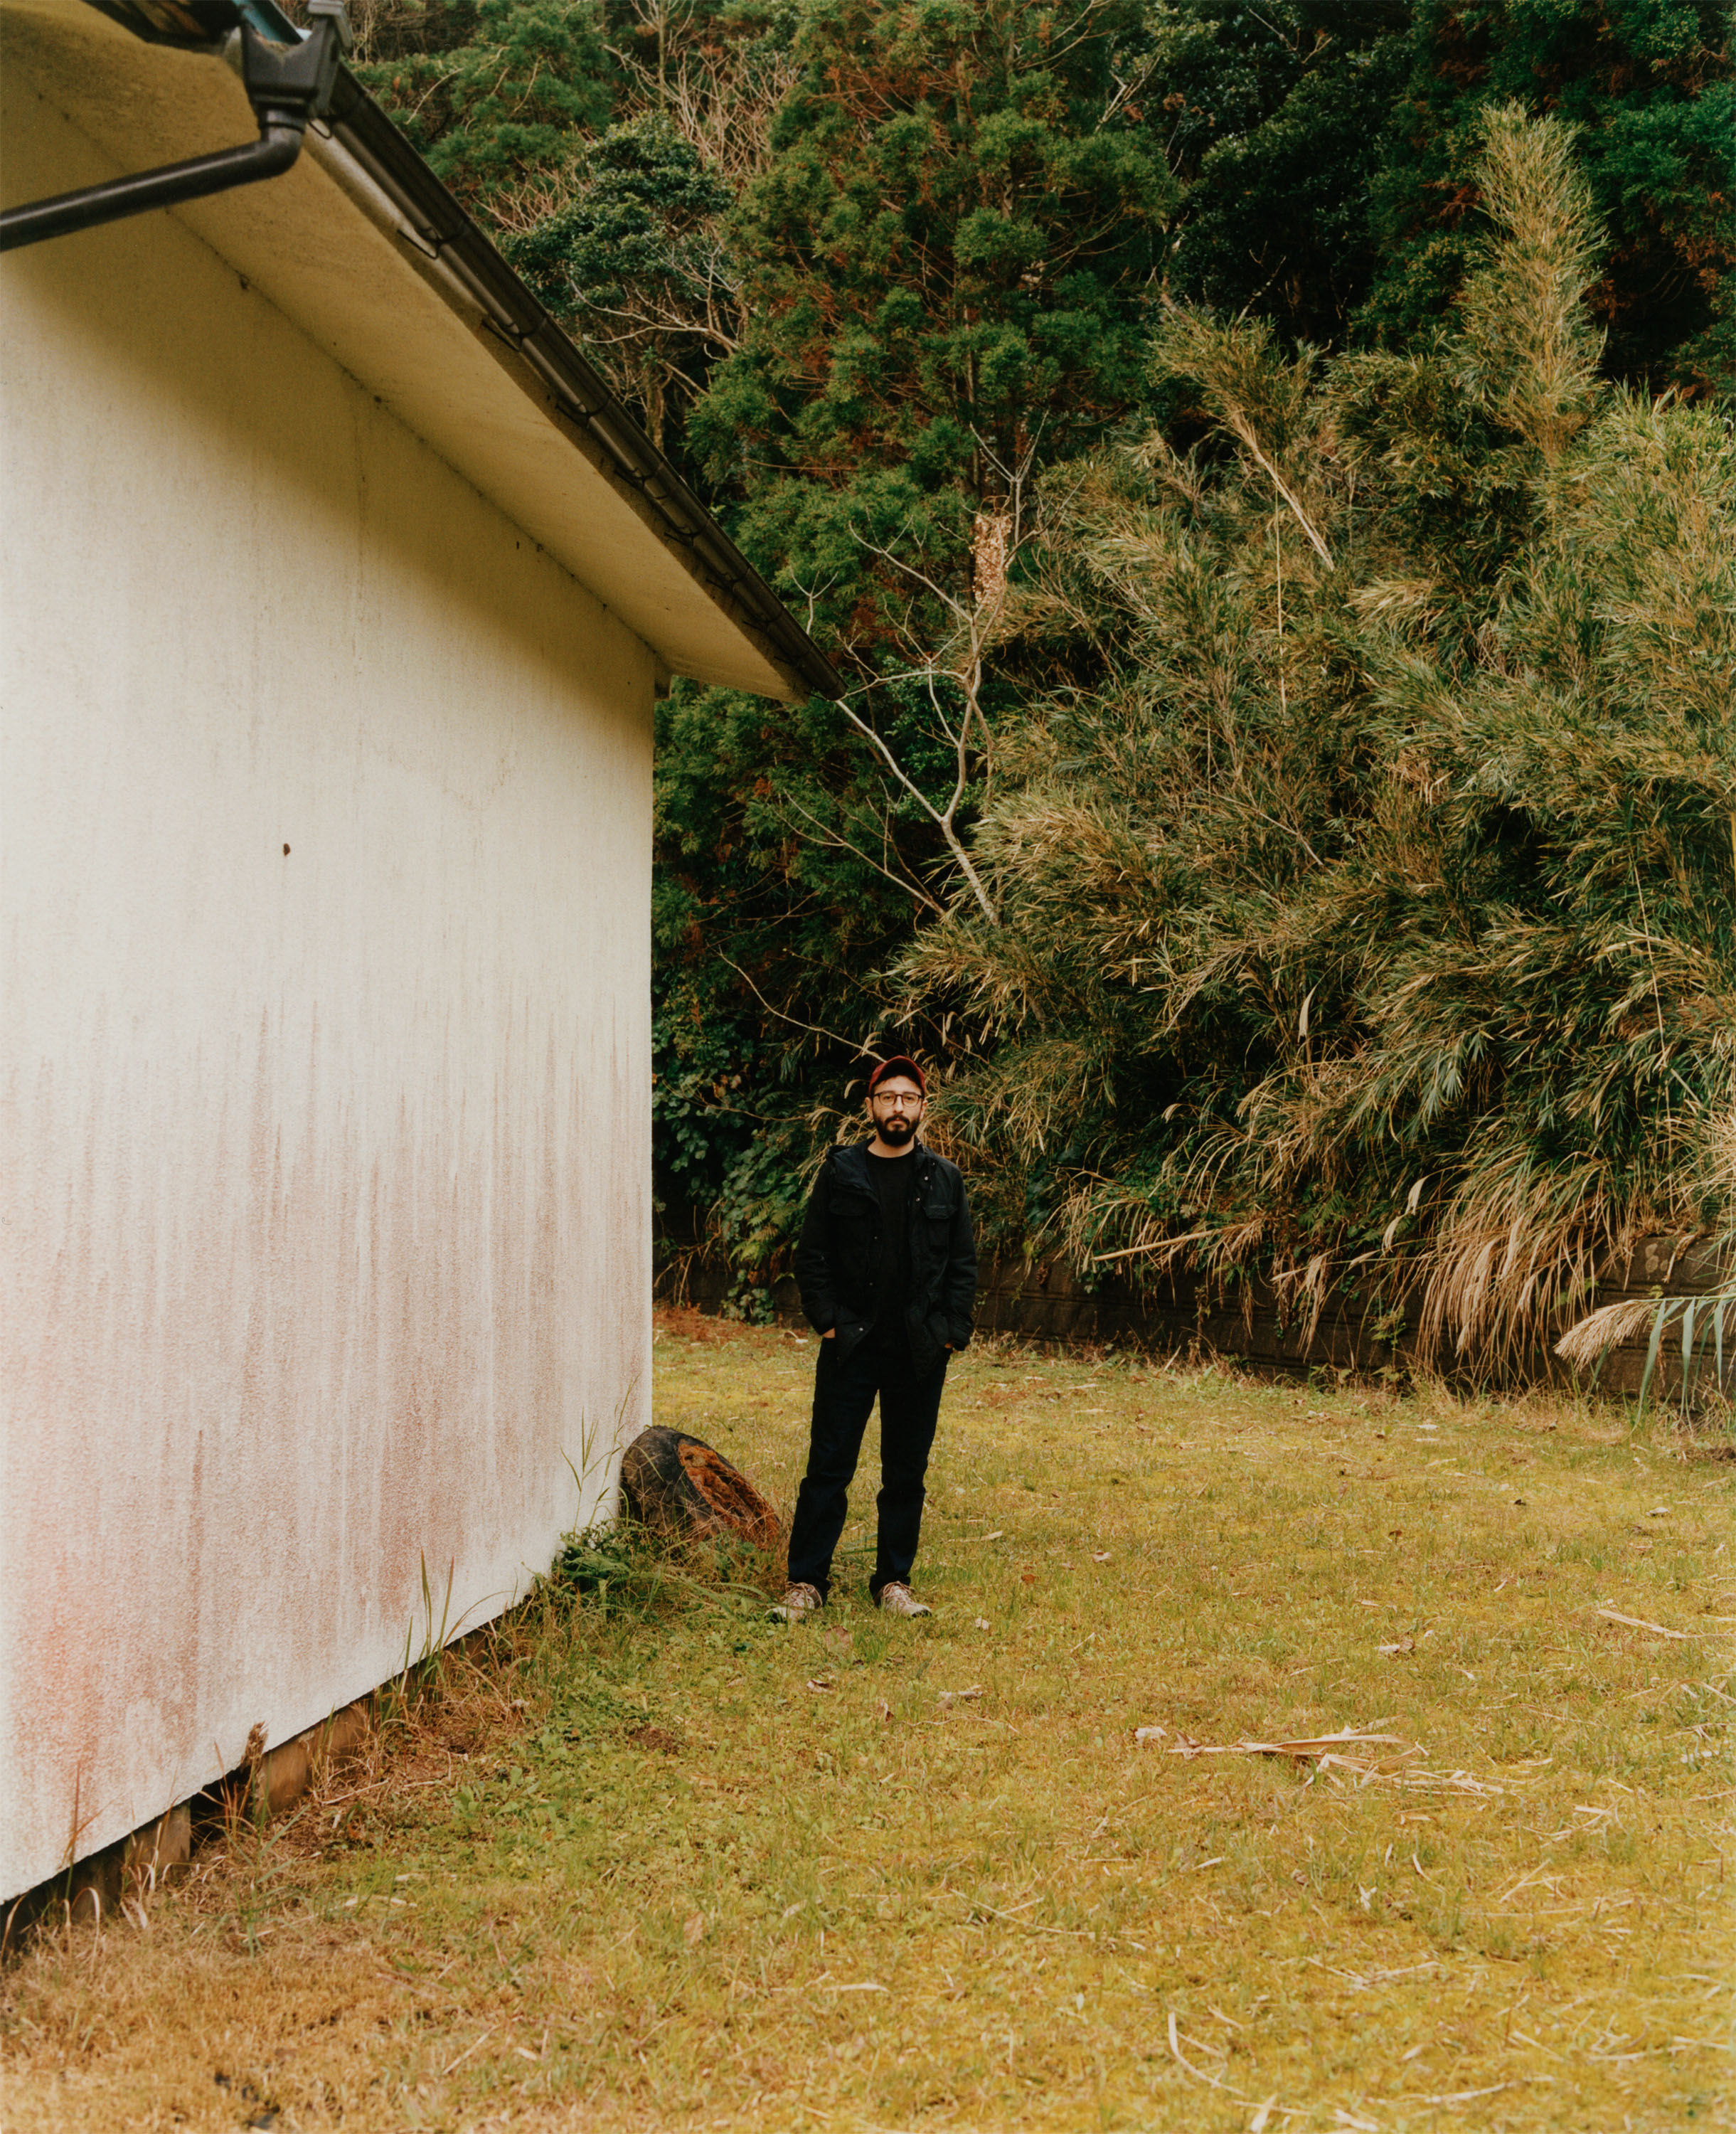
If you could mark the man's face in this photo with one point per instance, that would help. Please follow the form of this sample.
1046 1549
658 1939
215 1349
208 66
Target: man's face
896 1109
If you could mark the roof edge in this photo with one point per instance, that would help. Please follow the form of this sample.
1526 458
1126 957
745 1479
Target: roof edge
595 421
435 221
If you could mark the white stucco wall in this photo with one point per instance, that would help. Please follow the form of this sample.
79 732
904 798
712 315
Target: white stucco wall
326 1231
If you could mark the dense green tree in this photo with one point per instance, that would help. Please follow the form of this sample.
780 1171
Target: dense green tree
1278 117
1650 88
636 265
493 93
636 256
1278 216
1328 152
947 268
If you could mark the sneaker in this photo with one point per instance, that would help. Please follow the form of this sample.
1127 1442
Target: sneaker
798 1600
900 1600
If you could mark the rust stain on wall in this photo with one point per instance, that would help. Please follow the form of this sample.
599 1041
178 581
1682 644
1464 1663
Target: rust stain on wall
327 1170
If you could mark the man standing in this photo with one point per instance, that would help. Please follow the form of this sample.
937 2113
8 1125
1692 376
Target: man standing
887 1269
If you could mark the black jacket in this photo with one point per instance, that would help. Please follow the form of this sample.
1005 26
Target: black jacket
838 1260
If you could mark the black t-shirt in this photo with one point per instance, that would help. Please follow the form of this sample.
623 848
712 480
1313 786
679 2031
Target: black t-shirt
892 1175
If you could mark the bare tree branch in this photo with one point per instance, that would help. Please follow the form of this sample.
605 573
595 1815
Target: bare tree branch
812 1029
959 662
830 836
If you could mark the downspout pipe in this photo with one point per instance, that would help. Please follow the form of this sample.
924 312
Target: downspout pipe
287 87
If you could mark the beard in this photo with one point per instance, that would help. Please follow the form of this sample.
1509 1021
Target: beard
897 1129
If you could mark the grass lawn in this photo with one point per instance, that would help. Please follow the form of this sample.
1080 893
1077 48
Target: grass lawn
676 1866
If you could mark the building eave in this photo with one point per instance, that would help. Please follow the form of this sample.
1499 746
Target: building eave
612 439
363 247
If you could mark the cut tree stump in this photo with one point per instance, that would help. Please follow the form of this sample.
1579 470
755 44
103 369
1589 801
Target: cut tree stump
684 1490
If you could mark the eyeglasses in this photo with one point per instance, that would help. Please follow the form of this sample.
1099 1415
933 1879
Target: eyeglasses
898 1100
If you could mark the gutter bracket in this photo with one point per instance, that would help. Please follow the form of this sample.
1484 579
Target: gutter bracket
288 86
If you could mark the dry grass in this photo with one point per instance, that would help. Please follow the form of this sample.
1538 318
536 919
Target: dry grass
717 1873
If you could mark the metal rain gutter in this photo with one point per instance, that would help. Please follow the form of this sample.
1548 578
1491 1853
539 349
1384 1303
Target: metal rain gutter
288 89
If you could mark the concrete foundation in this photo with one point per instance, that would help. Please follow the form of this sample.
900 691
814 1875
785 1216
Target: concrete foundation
102 1883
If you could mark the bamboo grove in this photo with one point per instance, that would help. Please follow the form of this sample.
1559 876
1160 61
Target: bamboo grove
1366 907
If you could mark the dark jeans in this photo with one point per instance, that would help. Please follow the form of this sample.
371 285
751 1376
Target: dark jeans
843 1396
